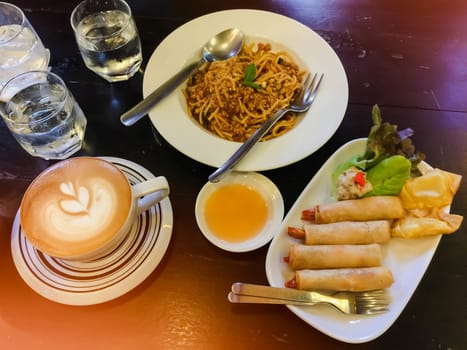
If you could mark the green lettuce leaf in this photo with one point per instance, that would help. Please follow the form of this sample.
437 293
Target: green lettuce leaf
388 176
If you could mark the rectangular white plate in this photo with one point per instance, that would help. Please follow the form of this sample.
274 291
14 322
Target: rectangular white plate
408 260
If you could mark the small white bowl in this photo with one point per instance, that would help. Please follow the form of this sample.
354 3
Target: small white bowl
265 188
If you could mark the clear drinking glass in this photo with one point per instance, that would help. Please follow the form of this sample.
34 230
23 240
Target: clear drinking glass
21 49
107 38
42 115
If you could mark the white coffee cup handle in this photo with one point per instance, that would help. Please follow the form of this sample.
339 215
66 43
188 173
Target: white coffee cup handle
150 192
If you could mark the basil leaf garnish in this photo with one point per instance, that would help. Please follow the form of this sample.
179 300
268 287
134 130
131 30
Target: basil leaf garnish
250 75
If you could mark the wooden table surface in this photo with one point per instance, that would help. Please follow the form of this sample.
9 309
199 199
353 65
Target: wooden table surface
409 57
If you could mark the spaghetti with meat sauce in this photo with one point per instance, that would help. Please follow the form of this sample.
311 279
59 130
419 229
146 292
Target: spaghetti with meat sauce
220 100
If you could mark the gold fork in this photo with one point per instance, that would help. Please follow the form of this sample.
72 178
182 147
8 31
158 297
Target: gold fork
368 302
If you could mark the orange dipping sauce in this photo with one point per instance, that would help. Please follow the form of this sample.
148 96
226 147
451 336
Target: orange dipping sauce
236 212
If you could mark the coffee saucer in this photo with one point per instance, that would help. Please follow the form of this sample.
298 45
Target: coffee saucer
106 278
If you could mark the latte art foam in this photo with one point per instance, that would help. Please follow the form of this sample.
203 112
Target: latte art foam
79 202
74 217
75 206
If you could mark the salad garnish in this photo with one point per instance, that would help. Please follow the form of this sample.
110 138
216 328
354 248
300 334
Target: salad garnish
384 141
389 159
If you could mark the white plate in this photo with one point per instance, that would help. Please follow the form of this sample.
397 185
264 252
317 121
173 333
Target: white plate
311 52
87 283
269 192
408 260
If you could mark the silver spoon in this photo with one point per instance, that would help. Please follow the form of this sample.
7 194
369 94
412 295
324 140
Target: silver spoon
224 45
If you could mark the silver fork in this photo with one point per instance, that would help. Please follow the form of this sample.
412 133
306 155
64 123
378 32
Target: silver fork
371 302
301 104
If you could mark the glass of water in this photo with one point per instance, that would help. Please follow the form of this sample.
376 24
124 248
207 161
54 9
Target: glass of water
21 48
42 115
107 38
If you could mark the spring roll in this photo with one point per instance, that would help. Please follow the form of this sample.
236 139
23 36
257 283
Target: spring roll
334 256
363 209
351 279
348 232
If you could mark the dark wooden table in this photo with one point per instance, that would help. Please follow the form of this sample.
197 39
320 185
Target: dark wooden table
408 57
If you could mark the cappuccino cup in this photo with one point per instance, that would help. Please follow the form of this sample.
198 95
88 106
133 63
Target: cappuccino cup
82 208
